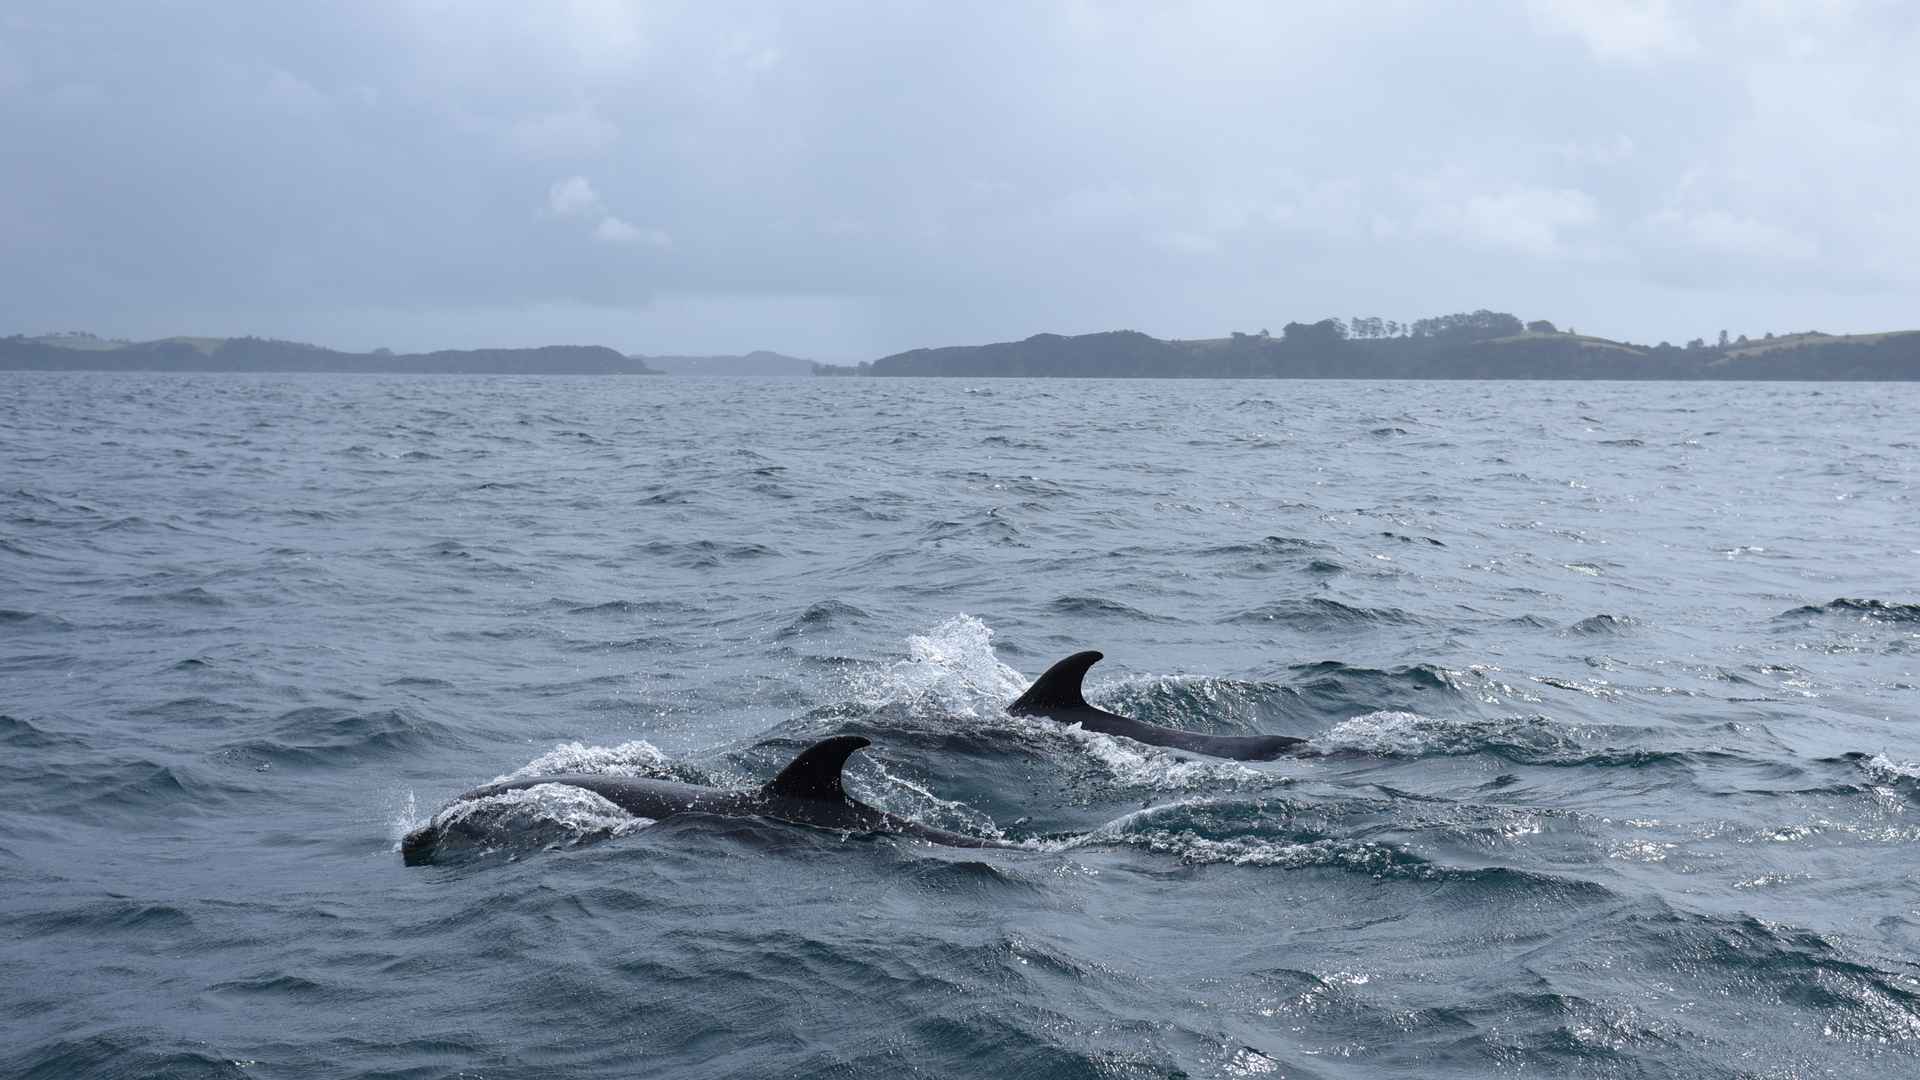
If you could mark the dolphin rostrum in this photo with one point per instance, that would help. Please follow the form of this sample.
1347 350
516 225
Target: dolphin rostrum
807 792
1056 695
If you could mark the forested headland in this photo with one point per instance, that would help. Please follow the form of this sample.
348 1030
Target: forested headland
1470 345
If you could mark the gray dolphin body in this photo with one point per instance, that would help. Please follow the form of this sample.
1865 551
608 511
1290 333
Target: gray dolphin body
807 792
1057 695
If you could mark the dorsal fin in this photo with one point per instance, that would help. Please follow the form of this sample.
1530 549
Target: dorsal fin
815 774
1059 688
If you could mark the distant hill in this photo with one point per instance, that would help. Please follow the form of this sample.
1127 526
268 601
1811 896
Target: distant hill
83 352
1476 345
1114 353
758 362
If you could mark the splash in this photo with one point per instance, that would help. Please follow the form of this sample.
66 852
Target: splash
405 818
1882 769
950 670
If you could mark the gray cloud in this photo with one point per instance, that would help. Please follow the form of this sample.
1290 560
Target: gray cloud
850 180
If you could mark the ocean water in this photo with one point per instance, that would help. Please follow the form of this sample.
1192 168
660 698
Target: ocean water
1611 691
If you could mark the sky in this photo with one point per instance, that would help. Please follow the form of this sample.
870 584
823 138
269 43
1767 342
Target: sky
842 181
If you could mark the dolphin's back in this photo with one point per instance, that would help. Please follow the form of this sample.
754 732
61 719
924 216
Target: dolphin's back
644 797
1058 694
807 792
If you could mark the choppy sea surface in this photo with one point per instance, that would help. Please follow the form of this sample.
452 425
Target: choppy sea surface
1610 689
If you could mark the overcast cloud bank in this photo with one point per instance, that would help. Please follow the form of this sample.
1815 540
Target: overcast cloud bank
846 181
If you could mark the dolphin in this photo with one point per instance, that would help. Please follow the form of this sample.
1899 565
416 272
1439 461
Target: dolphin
1057 696
807 792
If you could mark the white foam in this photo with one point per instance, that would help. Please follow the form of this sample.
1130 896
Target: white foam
635 758
1190 847
1139 765
1119 830
1247 1061
1392 731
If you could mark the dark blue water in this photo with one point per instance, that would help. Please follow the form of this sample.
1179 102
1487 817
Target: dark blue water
1612 690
